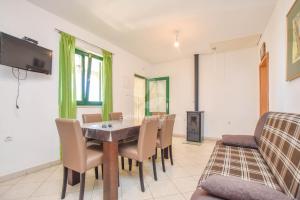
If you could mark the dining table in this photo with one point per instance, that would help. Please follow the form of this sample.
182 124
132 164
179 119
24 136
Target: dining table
109 133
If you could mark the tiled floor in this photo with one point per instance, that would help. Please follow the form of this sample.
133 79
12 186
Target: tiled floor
177 183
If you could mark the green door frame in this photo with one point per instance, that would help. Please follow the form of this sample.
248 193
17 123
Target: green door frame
167 79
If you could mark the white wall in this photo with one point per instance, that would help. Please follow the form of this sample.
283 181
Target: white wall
35 139
228 91
284 95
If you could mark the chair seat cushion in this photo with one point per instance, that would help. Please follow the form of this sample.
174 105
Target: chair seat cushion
129 150
240 141
94 156
234 188
245 163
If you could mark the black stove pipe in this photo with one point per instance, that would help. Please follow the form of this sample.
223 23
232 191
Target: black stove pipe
196 73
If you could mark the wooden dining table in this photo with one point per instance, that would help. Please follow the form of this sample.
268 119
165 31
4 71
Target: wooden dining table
109 133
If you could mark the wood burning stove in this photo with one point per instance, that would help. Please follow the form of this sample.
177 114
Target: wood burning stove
195 119
195 126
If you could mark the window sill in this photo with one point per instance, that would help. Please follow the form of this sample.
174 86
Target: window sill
89 106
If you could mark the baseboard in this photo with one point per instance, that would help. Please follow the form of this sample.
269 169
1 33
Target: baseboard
29 171
205 138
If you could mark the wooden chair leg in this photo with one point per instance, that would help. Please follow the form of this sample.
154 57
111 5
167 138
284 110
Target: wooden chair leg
102 171
64 186
122 163
96 172
141 176
82 185
163 160
154 168
130 164
155 153
136 163
171 154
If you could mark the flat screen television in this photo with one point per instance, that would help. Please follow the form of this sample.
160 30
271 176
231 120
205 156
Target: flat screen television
21 54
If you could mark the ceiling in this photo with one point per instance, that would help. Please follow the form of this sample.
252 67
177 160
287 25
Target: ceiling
146 28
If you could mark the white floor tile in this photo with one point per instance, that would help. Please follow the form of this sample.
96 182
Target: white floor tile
177 183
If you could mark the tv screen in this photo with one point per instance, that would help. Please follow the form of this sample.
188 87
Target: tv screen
18 53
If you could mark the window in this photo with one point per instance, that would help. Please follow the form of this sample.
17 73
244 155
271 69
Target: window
88 78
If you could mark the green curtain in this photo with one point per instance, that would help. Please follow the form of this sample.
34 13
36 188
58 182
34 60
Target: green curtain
67 84
107 85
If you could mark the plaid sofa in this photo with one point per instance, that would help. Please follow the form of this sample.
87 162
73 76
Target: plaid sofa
276 162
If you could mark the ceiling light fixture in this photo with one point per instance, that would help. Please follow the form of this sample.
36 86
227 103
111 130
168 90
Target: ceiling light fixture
176 43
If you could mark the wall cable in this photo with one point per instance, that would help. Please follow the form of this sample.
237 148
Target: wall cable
17 76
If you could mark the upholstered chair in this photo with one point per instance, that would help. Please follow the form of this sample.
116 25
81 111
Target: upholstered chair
143 148
93 118
76 155
119 116
164 139
115 116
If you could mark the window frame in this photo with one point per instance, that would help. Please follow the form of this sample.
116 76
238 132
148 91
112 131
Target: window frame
85 84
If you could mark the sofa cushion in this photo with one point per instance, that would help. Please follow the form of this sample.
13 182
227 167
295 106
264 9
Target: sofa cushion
200 194
244 163
280 148
240 141
233 188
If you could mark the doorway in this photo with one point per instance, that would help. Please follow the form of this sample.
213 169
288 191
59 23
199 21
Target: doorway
157 96
139 97
264 84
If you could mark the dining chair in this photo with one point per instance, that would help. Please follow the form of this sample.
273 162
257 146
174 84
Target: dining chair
76 155
119 116
164 139
143 148
115 116
93 118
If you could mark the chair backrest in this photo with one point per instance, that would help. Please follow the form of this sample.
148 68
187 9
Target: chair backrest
73 144
115 116
147 138
280 147
91 118
166 131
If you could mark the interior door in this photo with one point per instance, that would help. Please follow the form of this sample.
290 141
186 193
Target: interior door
139 97
157 96
264 84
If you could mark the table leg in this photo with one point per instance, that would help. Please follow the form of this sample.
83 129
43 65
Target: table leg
110 162
73 177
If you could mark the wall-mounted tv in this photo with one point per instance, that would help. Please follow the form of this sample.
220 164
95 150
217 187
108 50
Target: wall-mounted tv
19 53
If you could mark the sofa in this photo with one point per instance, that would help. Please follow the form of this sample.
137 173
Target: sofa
274 163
